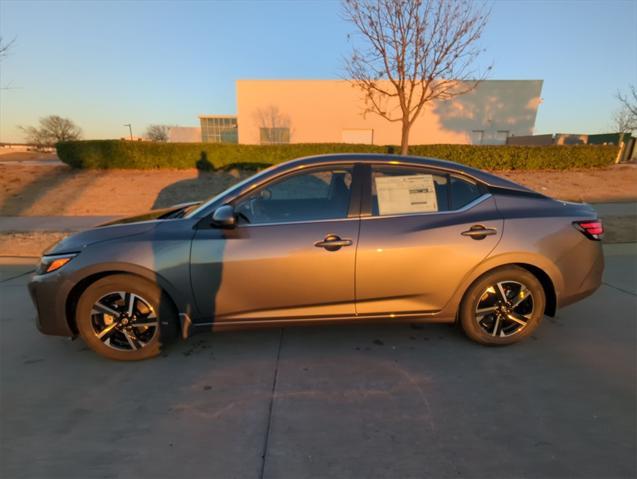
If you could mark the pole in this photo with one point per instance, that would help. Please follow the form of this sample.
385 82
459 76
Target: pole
130 129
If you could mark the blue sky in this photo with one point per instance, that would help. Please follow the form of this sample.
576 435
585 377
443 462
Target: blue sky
104 64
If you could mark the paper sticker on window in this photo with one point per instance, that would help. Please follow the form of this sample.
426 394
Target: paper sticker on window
405 194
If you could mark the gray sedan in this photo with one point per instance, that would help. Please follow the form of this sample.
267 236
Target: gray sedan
336 238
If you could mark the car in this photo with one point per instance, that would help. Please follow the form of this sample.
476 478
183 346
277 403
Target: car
320 240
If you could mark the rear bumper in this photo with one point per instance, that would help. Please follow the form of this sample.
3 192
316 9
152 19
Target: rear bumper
49 293
590 283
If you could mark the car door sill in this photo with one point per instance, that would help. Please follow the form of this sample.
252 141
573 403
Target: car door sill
230 324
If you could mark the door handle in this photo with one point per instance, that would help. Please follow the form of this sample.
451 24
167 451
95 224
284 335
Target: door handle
478 232
333 243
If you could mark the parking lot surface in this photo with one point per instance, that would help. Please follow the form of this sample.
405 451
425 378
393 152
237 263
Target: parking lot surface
359 401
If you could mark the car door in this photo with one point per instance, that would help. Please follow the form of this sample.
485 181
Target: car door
421 233
291 256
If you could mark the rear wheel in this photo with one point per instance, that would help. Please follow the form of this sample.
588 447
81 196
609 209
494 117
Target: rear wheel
502 307
125 317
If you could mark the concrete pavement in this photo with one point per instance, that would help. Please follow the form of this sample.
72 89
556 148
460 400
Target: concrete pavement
366 401
616 209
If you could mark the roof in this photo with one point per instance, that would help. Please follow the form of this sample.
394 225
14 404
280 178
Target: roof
434 163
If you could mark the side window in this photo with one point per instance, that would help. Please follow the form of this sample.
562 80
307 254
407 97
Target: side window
463 192
318 194
403 190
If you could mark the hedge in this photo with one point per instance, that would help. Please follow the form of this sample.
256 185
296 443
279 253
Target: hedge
147 155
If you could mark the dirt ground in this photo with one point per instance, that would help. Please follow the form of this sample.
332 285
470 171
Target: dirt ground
8 155
59 190
604 185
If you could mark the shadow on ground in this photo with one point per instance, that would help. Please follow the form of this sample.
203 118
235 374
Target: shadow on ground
58 179
212 182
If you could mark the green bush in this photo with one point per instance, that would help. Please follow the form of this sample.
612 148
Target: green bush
491 157
213 156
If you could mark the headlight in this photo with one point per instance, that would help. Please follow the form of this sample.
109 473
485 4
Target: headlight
53 262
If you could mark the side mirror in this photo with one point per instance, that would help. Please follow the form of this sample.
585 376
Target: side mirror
224 216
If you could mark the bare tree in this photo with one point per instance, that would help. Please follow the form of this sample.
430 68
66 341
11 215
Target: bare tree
623 121
5 47
158 132
626 117
274 126
52 129
416 51
4 52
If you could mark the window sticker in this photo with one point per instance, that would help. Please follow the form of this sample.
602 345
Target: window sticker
406 194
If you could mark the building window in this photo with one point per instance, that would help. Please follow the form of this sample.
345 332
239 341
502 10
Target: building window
219 129
477 137
501 137
274 136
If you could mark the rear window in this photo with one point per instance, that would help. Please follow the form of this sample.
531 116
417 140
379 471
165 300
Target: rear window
412 190
463 192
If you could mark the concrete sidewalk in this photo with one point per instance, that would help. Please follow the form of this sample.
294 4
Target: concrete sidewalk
31 162
616 209
28 224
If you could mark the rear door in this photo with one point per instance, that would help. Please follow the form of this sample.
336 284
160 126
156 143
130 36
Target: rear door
421 233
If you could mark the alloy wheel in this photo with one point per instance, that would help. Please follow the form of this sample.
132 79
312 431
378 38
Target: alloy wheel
124 321
504 308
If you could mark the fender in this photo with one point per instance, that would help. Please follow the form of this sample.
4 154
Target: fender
504 259
183 304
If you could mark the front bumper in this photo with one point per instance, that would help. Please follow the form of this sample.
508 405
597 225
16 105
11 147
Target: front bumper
49 293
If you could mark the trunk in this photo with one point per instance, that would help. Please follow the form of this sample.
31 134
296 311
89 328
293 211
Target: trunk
404 140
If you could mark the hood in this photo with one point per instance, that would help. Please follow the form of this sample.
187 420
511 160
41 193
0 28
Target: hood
79 241
175 211
120 228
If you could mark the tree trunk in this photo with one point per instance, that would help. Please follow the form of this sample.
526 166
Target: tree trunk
404 140
620 143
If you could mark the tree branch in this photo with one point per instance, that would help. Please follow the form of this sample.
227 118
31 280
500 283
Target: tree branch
424 49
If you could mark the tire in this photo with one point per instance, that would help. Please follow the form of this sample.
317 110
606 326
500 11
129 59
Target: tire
503 306
103 310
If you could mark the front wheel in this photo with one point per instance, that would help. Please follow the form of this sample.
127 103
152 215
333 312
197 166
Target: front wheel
125 317
503 306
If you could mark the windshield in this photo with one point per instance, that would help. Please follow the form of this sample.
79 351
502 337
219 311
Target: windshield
197 211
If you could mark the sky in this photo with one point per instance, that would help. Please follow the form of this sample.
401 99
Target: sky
108 63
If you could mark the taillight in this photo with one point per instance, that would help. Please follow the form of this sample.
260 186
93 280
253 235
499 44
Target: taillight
592 229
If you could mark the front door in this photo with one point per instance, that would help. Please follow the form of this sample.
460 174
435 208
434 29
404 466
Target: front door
292 255
417 242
